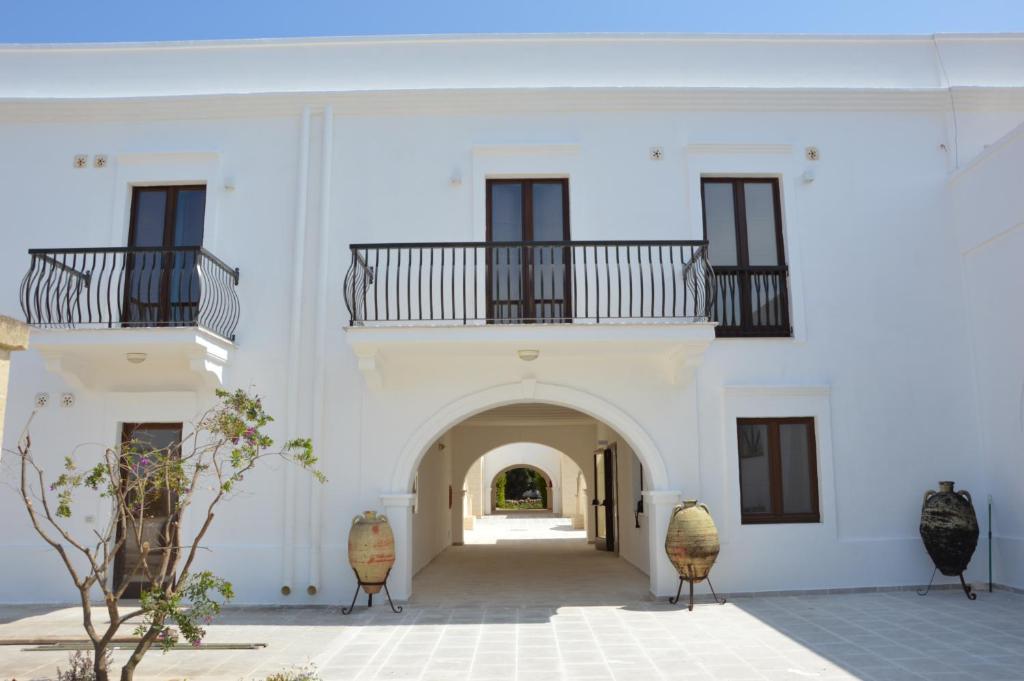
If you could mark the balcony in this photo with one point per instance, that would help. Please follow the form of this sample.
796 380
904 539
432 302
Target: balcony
653 298
751 301
132 318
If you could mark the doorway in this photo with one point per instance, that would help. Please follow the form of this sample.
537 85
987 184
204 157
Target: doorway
138 440
529 269
162 284
606 517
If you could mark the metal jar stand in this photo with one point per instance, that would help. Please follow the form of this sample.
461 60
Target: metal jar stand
691 582
369 596
966 587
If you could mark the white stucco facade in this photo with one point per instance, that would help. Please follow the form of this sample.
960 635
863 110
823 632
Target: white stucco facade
902 239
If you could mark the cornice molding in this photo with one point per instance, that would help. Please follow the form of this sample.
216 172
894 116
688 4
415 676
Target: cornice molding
511 38
509 101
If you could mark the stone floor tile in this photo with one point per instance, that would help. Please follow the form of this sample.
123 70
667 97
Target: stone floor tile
597 623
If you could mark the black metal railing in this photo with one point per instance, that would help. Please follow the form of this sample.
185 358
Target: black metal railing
130 287
751 301
514 282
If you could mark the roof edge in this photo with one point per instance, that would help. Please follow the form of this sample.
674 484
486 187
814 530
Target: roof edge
456 38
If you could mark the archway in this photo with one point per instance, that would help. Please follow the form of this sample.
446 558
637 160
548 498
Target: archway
501 504
444 432
528 392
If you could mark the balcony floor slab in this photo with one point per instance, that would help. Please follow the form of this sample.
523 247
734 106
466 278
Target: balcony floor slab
171 358
679 346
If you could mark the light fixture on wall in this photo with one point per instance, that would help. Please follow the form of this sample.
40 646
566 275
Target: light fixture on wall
136 357
455 179
528 355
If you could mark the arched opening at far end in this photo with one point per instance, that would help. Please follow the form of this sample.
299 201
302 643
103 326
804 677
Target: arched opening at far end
521 488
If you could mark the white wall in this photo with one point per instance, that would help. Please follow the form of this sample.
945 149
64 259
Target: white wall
988 211
432 518
633 541
884 325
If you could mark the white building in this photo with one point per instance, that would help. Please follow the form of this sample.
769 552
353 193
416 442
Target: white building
862 199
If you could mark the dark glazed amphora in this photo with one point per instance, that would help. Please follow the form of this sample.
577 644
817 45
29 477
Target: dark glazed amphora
949 528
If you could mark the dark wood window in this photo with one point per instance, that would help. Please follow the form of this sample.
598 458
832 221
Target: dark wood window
162 287
527 281
743 226
778 470
138 439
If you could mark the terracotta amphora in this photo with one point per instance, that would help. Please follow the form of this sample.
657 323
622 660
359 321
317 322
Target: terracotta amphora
692 540
371 549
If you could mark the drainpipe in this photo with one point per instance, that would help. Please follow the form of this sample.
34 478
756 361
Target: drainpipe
319 376
295 322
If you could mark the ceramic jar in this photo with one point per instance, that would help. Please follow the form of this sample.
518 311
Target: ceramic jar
371 549
949 528
692 540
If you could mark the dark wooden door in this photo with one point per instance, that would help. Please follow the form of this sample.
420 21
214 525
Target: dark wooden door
162 287
528 282
604 502
138 440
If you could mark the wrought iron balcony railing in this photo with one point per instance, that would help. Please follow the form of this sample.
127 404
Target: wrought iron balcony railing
130 287
515 282
751 301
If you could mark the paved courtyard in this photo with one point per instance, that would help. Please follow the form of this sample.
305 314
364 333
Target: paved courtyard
536 625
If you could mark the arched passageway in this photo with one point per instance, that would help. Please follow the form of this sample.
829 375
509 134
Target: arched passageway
581 549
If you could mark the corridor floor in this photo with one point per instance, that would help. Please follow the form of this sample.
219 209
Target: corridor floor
527 560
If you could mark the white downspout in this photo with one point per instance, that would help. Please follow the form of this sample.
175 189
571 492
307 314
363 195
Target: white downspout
298 257
319 374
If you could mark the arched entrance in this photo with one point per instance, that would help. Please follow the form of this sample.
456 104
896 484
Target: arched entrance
496 491
551 413
529 393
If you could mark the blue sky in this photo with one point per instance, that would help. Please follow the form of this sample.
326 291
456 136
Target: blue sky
144 20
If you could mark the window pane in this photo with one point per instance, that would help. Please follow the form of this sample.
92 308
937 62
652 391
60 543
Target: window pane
548 262
506 211
767 305
506 266
762 247
796 471
720 221
150 205
184 284
547 211
188 218
755 474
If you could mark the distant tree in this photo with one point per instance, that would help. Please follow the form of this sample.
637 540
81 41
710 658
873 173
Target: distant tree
519 481
203 470
499 491
542 486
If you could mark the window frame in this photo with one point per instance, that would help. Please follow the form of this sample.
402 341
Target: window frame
747 328
165 306
528 299
775 489
170 209
128 430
